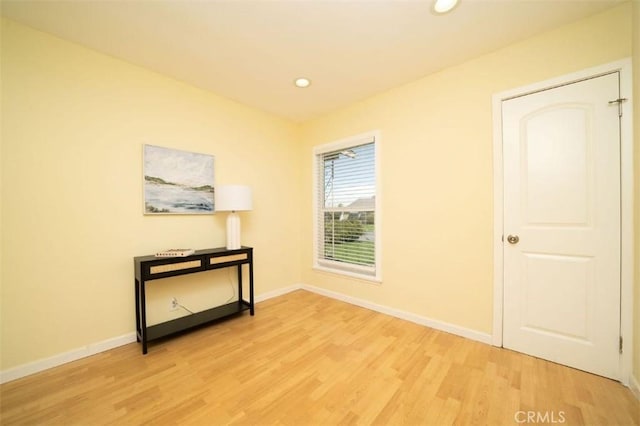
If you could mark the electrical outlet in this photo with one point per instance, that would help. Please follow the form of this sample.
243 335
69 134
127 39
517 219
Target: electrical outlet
173 305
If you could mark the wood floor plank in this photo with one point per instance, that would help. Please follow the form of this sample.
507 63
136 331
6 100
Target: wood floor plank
305 359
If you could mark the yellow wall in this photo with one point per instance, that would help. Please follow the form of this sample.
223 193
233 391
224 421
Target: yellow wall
74 122
73 125
437 192
636 97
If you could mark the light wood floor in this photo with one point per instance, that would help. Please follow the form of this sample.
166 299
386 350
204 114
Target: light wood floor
309 360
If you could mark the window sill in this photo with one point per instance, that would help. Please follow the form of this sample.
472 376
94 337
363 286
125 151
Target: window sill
375 279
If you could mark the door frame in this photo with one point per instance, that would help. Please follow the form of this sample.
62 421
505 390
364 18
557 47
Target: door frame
626 201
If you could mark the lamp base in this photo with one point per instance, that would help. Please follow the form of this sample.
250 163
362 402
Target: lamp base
233 231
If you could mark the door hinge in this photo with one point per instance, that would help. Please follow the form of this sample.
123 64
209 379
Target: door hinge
620 347
618 101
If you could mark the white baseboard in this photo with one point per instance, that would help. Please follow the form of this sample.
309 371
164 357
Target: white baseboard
63 358
275 293
408 316
94 348
634 385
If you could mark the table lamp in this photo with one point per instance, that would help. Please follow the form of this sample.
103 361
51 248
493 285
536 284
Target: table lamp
233 198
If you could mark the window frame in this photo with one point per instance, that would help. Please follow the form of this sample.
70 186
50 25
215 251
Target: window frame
347 269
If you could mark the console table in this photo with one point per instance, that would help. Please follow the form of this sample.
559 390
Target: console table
149 268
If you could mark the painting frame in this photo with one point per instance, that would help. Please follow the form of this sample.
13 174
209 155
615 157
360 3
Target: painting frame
177 182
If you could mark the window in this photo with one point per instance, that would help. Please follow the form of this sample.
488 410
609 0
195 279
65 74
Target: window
347 220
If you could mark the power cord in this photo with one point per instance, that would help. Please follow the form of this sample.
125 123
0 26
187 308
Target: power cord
233 287
232 298
185 308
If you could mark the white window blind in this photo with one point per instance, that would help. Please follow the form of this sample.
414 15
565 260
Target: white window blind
346 199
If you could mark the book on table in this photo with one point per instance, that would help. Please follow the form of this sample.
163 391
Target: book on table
175 253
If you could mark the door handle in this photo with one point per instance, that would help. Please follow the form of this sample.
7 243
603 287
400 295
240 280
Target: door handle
513 239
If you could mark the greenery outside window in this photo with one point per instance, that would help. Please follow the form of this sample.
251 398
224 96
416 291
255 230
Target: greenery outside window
347 218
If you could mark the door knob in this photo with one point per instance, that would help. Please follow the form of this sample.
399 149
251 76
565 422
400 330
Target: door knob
513 239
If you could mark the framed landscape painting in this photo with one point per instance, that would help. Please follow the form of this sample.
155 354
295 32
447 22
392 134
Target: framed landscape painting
177 182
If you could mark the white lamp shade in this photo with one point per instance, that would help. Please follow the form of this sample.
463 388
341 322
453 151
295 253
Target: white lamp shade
233 198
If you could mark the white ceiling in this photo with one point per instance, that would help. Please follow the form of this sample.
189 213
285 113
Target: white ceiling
252 50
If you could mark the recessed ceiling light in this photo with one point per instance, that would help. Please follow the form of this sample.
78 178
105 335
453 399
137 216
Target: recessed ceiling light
444 6
302 82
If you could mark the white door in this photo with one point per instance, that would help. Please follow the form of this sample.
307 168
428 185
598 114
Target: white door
561 151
